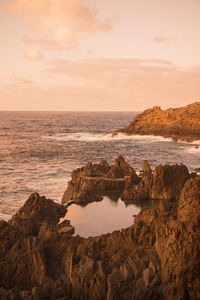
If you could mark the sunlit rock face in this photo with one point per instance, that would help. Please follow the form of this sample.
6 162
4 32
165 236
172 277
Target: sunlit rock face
181 124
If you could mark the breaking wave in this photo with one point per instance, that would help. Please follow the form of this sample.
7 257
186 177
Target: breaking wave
95 137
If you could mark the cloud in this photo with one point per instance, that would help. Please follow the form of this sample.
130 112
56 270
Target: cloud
21 80
58 21
33 54
162 39
105 84
127 83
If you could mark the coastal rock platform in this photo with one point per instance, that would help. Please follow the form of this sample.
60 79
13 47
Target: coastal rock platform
158 257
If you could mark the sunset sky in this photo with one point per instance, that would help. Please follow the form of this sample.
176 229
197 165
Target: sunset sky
99 55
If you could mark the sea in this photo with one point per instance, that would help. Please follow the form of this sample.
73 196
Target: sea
39 150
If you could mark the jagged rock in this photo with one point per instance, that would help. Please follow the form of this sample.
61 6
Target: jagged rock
165 183
168 181
120 169
138 191
158 257
90 182
178 124
35 212
189 203
146 167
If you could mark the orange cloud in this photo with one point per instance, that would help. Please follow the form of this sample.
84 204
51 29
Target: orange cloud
57 22
21 80
105 84
162 39
33 54
135 83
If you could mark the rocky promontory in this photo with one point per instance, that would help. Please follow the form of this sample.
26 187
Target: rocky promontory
178 124
158 257
93 181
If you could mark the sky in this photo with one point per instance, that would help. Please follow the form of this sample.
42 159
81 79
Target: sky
99 55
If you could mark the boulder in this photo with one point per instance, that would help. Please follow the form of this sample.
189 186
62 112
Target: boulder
35 212
189 203
168 181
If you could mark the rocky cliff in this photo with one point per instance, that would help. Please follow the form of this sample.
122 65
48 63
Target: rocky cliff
91 182
178 124
158 257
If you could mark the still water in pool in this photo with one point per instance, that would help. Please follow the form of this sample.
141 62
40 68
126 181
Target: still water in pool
101 217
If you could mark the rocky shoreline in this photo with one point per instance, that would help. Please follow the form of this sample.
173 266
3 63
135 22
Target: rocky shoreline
178 124
93 181
158 257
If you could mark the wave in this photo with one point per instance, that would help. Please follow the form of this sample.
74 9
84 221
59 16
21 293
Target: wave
94 137
193 150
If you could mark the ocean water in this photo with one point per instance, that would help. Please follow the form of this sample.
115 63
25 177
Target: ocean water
39 150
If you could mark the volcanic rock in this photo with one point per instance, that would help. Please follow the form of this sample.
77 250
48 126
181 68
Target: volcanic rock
158 257
37 211
92 181
189 203
139 191
181 124
146 167
168 181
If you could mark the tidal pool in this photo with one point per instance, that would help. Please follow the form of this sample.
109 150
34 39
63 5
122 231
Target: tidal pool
101 217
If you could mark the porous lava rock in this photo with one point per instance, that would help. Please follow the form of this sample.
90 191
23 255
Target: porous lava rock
189 203
90 182
158 257
168 181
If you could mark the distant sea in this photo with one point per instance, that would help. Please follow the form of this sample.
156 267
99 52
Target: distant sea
39 150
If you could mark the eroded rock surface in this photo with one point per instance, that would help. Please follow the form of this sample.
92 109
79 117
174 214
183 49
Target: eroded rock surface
168 181
178 124
91 182
158 257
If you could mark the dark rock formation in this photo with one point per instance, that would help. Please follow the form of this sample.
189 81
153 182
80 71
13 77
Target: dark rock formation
178 124
90 182
146 167
36 212
189 203
139 191
168 181
158 257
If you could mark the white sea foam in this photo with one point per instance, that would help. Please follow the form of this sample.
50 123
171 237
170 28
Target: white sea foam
91 137
192 150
